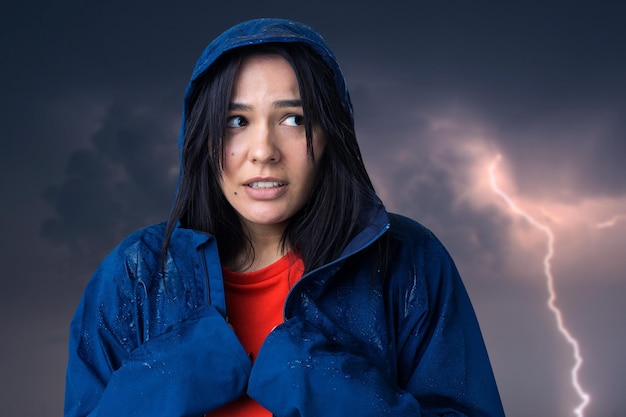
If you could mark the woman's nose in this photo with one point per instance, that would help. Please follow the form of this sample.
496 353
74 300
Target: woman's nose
263 147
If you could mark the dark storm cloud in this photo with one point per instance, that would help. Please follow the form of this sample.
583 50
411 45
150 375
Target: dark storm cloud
606 156
548 81
475 238
124 180
420 160
582 154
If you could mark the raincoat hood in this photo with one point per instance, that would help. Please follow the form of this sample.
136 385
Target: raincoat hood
261 31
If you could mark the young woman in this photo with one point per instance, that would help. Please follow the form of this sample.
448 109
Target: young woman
279 285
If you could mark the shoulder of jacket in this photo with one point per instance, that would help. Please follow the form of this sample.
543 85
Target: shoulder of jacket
416 249
406 228
139 253
149 238
134 261
408 232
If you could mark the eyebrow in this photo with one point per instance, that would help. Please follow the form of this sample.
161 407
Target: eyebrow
287 103
280 104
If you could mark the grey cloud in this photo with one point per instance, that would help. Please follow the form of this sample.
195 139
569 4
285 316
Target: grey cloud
125 180
576 139
605 160
568 158
425 191
548 84
416 170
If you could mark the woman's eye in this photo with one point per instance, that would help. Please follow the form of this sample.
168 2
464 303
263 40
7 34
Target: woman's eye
236 121
294 120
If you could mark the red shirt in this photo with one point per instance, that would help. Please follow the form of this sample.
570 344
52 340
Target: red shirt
254 304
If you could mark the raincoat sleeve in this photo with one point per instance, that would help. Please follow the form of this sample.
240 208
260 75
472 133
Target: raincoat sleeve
196 364
442 368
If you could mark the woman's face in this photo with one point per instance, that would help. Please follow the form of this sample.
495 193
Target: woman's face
267 173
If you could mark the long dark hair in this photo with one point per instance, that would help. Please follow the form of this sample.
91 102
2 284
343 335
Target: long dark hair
320 231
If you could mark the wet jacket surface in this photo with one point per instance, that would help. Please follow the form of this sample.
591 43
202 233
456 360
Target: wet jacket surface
359 339
365 335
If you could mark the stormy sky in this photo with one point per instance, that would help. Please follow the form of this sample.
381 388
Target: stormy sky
90 108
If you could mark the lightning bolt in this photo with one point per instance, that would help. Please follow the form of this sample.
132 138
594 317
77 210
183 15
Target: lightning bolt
612 222
551 303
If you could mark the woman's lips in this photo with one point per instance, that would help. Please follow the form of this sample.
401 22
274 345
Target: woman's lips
265 190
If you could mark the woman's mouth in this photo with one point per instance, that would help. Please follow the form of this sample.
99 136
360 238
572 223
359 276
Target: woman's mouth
265 190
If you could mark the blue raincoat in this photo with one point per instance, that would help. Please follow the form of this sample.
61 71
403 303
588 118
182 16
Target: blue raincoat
361 337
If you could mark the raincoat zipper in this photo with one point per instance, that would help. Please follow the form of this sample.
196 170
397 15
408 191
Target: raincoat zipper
328 265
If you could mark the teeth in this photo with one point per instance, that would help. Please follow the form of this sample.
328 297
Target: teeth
265 184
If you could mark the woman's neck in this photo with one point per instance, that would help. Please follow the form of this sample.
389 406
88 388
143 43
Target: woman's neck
267 248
